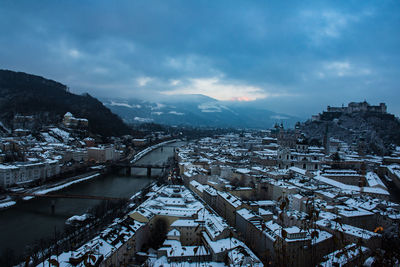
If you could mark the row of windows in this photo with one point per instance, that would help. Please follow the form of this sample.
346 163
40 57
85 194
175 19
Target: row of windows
304 158
304 166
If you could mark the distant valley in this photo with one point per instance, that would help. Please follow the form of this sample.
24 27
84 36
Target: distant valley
197 110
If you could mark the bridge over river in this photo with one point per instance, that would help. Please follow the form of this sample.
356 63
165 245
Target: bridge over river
131 168
17 223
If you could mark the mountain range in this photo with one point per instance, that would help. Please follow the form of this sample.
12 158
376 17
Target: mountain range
197 110
47 101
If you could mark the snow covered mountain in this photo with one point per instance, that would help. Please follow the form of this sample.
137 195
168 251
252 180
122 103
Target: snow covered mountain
197 110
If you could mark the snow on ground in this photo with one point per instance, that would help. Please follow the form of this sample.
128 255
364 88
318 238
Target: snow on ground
176 113
210 107
158 106
78 218
147 150
279 117
135 195
139 119
120 104
56 188
61 133
7 204
49 138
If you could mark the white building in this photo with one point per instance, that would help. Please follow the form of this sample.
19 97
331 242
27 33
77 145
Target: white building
26 172
103 153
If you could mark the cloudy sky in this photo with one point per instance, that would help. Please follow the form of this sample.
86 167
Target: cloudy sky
291 57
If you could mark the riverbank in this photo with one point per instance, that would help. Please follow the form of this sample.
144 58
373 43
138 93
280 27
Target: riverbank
140 154
59 187
90 227
17 222
8 202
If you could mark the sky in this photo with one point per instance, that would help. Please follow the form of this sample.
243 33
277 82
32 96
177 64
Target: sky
293 57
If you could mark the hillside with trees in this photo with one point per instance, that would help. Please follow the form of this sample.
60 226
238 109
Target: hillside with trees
373 132
48 101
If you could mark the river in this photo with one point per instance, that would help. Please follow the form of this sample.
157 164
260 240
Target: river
31 220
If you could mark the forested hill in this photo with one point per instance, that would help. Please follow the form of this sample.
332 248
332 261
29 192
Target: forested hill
48 101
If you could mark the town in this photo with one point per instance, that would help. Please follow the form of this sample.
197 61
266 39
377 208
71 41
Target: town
61 153
199 133
247 198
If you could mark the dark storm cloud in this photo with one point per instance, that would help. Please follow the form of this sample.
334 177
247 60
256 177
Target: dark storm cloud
297 57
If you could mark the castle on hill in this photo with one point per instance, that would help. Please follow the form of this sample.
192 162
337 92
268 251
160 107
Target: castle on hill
352 107
359 107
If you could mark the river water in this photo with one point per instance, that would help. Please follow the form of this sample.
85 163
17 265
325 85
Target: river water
31 220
